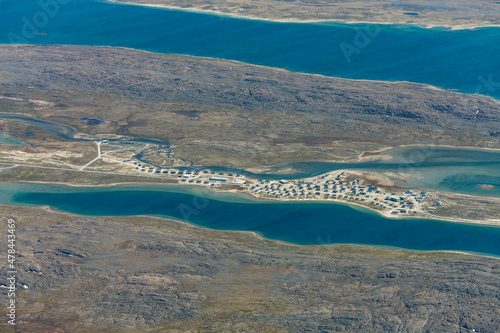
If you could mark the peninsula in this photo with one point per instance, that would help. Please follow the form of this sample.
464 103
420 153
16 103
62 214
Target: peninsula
455 14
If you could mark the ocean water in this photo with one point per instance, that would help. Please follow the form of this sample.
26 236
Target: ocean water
304 223
465 60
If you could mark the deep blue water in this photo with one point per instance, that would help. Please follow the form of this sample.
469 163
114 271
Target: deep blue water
466 60
300 223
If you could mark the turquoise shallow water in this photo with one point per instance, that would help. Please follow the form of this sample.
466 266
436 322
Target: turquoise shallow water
429 167
446 169
10 141
463 60
299 223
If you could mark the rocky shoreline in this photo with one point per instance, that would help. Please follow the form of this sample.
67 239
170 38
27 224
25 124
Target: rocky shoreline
134 274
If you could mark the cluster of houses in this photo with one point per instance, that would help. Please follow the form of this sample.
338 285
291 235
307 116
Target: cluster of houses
202 177
331 186
336 187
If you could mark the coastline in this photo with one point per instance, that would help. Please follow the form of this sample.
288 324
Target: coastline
448 146
270 200
261 238
376 153
242 63
256 18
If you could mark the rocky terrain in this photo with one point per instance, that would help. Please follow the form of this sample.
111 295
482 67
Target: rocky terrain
448 13
142 274
219 112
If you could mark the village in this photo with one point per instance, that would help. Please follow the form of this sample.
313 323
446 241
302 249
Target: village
334 186
153 160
